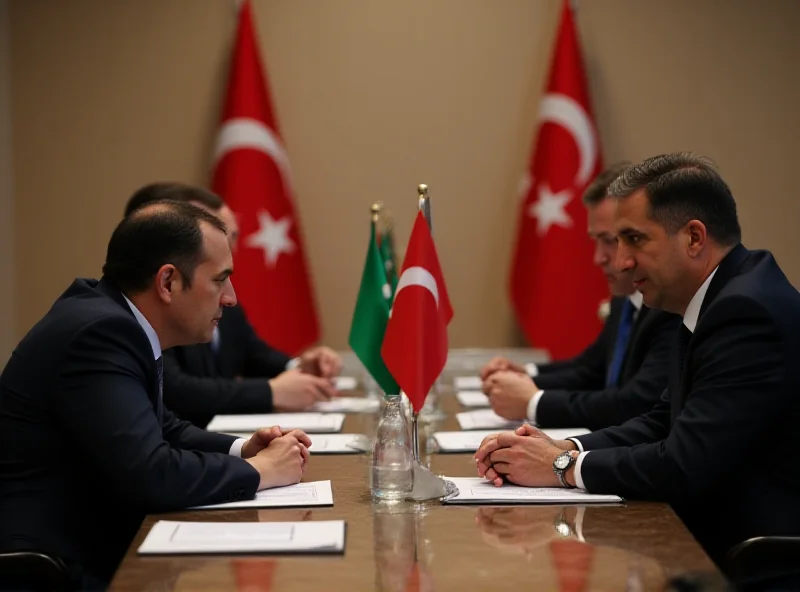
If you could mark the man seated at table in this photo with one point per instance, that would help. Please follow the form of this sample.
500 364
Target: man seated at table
621 375
237 372
87 447
718 445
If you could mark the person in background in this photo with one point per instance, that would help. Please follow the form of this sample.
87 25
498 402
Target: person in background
619 376
236 372
87 445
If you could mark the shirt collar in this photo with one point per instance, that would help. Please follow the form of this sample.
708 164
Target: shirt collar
693 310
148 328
636 299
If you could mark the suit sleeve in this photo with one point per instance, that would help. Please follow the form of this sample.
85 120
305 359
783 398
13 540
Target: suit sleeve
194 396
737 368
258 359
585 371
103 405
597 409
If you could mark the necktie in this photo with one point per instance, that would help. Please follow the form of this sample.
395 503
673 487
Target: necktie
160 402
621 345
683 345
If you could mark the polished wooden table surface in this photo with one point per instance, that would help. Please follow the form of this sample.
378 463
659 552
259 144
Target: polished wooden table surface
633 546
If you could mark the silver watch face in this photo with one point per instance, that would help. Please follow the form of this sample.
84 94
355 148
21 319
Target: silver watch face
562 462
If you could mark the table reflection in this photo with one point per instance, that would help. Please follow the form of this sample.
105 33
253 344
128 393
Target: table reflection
403 554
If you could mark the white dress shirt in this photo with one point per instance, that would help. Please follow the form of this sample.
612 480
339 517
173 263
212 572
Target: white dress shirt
636 299
152 336
690 320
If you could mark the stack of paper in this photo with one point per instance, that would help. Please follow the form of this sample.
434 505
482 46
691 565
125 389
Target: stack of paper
331 443
485 419
474 490
315 493
308 422
470 441
345 383
472 399
348 405
171 538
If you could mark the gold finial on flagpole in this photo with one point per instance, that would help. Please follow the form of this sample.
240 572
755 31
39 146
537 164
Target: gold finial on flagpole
424 203
376 212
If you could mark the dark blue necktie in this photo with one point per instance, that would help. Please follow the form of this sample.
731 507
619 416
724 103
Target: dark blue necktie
621 345
160 402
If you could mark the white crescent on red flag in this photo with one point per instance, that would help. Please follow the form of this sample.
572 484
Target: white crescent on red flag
555 289
415 343
252 174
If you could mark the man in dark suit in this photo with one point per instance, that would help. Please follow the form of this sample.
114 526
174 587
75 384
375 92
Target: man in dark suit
619 376
236 372
716 446
87 447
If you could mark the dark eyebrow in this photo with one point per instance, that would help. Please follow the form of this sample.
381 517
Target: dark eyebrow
629 232
224 274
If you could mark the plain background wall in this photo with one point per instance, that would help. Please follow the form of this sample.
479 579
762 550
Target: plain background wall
374 97
7 334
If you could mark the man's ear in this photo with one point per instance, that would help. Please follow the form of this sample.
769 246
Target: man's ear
696 237
168 281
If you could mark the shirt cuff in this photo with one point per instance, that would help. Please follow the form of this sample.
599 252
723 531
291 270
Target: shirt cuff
236 447
532 369
578 465
293 363
577 443
532 405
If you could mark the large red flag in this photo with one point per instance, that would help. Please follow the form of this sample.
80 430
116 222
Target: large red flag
251 173
415 343
555 288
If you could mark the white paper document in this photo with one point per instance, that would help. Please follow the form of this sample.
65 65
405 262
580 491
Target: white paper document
472 399
308 422
470 441
348 405
467 383
171 538
346 383
331 443
475 490
485 419
315 493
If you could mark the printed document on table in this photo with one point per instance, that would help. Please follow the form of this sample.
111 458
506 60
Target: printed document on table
485 419
472 399
467 383
330 443
315 493
308 422
475 490
348 405
171 538
470 441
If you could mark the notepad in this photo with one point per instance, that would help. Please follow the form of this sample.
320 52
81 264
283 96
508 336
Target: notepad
315 493
348 405
173 538
470 441
308 422
345 383
475 490
485 419
472 399
467 383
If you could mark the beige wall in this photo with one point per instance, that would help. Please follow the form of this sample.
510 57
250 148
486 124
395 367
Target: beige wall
7 335
375 97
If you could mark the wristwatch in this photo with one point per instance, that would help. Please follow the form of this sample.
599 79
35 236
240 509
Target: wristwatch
561 465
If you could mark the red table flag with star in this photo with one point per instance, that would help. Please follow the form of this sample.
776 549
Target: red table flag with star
251 173
555 289
415 342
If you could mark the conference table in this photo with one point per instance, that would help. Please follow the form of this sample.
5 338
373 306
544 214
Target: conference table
425 546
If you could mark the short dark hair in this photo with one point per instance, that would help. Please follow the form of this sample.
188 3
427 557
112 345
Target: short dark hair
152 237
597 190
172 192
681 187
